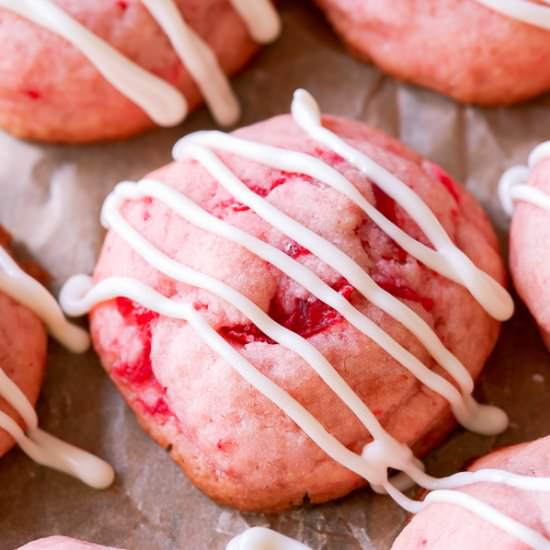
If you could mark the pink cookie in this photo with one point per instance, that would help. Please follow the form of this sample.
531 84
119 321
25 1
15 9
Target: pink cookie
457 47
232 442
445 526
529 249
23 343
235 444
50 90
62 543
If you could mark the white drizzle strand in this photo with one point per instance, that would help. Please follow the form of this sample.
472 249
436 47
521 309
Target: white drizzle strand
27 291
162 101
526 11
514 183
47 450
261 538
80 295
39 445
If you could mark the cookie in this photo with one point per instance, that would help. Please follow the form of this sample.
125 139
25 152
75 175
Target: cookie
62 543
437 44
254 291
525 195
85 71
445 526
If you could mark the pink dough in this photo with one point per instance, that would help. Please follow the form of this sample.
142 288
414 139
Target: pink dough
50 91
450 527
457 47
62 543
23 343
529 250
235 444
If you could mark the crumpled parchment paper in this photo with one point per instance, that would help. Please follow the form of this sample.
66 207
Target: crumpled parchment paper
50 198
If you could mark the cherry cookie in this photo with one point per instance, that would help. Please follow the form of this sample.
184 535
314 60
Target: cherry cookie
87 71
63 543
26 310
525 195
445 526
490 52
290 307
23 343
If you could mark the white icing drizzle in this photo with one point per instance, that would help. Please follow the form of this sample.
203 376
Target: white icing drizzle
532 538
29 292
261 538
50 451
80 295
514 183
261 18
39 445
526 11
162 101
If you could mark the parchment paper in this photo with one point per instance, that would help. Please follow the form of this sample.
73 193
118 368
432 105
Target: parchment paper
50 198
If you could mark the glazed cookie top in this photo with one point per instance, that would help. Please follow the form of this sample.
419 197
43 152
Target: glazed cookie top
162 101
39 445
442 256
